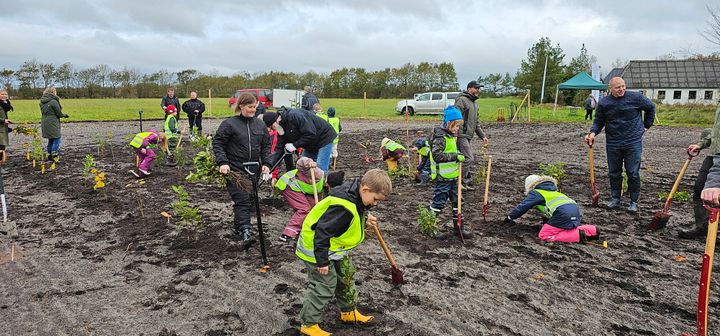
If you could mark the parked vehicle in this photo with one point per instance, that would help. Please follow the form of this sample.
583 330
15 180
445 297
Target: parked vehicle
272 98
427 103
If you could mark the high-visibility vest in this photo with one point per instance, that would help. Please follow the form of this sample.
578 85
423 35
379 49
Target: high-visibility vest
393 146
289 179
553 200
447 170
138 139
168 132
339 246
335 123
425 149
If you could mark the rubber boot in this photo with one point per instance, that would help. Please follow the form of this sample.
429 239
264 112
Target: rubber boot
392 164
313 330
701 222
355 317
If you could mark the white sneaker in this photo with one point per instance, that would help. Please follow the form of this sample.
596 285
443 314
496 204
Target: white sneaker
144 172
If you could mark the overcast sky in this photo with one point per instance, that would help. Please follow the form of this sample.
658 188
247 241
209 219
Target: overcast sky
227 36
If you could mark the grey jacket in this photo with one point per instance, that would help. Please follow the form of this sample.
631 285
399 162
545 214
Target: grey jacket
465 102
710 137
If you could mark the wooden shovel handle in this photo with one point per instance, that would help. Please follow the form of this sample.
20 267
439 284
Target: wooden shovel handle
459 191
180 138
487 180
384 246
677 184
592 170
312 176
706 272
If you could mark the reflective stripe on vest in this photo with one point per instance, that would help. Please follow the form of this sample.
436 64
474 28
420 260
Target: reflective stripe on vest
447 170
335 123
138 139
339 246
553 200
425 149
289 179
168 132
392 146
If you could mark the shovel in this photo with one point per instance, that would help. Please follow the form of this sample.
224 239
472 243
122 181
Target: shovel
459 209
251 169
315 193
595 193
706 271
487 188
397 274
661 218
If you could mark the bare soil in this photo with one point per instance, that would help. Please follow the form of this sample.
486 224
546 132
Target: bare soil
89 263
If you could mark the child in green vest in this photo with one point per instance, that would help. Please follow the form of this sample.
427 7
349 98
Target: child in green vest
445 159
143 143
296 187
391 152
335 122
330 231
171 132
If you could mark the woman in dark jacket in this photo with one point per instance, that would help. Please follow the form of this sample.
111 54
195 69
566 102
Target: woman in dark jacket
298 128
5 107
50 123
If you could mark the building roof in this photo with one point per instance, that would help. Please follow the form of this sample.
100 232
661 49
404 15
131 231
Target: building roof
681 74
613 73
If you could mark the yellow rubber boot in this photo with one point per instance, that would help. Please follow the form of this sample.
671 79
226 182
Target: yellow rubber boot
355 317
392 164
313 330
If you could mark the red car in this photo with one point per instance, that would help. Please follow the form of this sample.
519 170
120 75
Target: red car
263 95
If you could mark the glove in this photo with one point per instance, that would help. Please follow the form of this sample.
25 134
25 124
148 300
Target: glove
266 177
66 116
289 147
460 158
508 220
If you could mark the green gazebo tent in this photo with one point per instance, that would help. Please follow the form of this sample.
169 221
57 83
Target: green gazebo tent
581 81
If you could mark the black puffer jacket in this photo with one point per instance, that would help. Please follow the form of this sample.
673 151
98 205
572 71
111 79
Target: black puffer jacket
304 130
336 219
192 105
239 140
308 100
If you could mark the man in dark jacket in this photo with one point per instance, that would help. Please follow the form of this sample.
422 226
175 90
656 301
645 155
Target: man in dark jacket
465 102
621 114
302 129
170 99
240 139
194 108
309 99
711 192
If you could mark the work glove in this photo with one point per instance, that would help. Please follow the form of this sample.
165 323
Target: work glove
508 220
266 176
460 158
289 147
66 116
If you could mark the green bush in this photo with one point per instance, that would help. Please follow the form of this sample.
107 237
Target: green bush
427 221
555 169
187 217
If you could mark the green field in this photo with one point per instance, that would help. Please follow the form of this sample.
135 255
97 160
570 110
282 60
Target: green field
27 111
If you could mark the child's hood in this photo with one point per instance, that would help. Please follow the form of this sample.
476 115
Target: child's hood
547 186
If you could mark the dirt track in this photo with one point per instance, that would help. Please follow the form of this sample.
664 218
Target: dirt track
89 264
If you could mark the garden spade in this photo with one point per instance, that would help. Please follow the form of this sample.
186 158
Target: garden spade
595 193
2 194
706 271
661 218
487 188
459 200
397 274
252 169
315 193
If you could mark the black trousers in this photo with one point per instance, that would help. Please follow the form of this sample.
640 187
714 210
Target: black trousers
195 121
588 114
242 205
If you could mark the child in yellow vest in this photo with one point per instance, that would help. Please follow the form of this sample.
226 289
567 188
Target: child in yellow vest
330 231
296 187
391 152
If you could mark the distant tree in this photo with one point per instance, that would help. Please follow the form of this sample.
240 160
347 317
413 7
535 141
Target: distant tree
102 71
579 63
47 73
186 76
712 30
531 69
6 78
447 77
64 74
710 57
89 80
619 63
28 74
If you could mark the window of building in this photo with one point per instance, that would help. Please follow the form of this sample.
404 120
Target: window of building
677 94
708 95
661 94
692 94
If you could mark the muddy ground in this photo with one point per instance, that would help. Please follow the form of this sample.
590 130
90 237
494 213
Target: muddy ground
88 263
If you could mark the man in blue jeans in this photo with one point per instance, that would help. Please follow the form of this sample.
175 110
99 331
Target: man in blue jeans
621 114
298 128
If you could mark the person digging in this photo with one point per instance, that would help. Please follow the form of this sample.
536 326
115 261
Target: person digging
143 143
297 189
392 152
709 139
562 213
332 229
445 159
171 132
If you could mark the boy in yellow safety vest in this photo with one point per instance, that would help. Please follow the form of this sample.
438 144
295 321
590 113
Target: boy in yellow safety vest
392 152
561 213
297 189
330 231
445 159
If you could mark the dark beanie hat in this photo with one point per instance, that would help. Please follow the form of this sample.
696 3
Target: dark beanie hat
269 118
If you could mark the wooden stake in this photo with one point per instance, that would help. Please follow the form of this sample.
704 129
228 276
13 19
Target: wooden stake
12 252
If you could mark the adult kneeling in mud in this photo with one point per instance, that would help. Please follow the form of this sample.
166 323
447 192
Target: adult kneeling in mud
239 139
562 214
302 129
333 228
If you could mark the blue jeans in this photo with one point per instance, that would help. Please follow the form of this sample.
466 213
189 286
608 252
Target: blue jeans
443 190
53 146
630 157
322 156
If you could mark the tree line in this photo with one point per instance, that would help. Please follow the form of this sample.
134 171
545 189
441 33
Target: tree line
102 81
